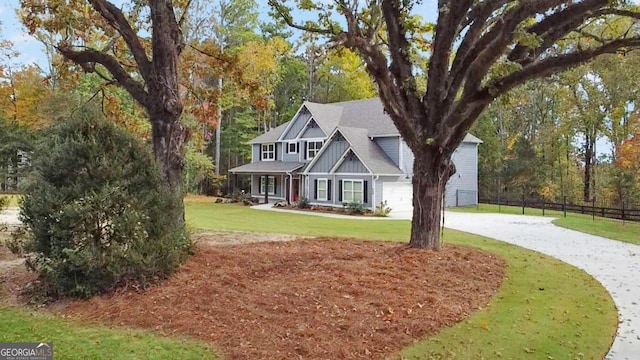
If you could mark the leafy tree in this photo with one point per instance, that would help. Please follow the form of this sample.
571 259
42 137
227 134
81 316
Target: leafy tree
342 77
97 212
478 51
101 38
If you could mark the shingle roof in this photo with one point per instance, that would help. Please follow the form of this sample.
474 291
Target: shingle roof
268 167
369 153
270 136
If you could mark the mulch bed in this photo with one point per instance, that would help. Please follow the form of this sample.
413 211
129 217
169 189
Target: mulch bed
312 299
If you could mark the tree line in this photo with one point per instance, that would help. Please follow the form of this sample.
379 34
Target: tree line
173 71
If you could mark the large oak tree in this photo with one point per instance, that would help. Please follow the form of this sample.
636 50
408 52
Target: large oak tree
478 50
101 38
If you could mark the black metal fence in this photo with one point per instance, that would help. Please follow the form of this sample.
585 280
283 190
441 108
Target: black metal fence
623 213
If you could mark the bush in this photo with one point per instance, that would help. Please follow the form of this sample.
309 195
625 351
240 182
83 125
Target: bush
354 208
303 203
96 211
382 210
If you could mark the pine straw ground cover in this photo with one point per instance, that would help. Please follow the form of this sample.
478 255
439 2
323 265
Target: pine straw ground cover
313 299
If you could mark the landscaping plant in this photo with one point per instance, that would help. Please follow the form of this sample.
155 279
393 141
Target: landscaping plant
96 212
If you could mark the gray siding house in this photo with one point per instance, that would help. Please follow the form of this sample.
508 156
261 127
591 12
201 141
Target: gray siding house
348 152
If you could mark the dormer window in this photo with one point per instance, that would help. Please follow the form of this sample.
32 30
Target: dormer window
268 152
313 147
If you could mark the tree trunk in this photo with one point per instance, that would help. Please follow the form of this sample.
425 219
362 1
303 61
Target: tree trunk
430 174
169 136
588 162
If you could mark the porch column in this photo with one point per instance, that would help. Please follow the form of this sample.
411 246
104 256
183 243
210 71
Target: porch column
265 181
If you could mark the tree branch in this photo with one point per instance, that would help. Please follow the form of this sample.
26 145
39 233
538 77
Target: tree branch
118 21
86 59
447 28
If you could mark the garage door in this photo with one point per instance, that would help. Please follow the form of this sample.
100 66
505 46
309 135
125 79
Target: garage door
399 195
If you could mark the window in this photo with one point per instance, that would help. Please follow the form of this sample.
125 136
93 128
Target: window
271 185
322 189
292 148
313 147
268 152
352 191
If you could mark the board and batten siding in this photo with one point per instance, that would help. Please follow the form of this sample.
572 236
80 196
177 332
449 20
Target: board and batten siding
406 157
255 152
391 146
462 187
334 151
255 186
290 157
298 123
352 165
313 132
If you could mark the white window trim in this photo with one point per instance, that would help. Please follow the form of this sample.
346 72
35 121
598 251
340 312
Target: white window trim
352 181
289 147
271 181
263 152
317 151
326 190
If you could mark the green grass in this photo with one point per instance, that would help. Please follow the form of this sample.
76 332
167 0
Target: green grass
608 228
573 317
72 340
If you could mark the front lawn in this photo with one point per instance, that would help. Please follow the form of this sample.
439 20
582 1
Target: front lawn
608 228
73 340
545 308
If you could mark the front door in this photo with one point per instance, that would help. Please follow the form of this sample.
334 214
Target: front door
296 189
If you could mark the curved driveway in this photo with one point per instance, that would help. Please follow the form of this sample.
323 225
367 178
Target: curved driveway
615 264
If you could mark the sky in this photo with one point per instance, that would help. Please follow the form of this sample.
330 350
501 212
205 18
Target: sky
31 51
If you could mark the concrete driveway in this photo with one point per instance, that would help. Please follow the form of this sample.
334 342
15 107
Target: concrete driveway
613 263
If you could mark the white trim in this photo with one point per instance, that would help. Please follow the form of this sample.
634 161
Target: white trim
361 181
326 189
292 142
323 149
286 129
317 151
340 161
385 135
261 184
306 126
262 151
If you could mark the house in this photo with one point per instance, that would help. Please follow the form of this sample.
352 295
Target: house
347 152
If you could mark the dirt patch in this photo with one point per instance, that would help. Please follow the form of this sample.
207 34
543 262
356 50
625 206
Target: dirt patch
216 238
312 298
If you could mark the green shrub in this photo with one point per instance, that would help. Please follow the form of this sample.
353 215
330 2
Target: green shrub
303 203
354 208
4 202
96 211
382 210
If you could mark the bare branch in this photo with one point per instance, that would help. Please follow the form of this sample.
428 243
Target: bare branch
118 21
86 59
446 31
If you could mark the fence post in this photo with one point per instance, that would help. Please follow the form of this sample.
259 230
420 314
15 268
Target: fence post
523 204
593 208
623 217
543 202
564 206
499 204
